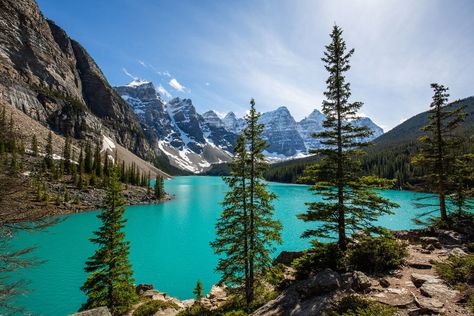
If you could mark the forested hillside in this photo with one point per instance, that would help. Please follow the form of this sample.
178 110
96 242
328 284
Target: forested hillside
391 153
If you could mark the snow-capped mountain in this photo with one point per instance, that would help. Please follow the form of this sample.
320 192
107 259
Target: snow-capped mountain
311 124
183 134
281 133
232 123
193 141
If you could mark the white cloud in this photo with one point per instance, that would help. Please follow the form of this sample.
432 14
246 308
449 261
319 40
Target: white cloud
129 74
176 85
164 92
142 63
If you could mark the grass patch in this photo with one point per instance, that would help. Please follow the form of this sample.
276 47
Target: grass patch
376 253
356 306
457 270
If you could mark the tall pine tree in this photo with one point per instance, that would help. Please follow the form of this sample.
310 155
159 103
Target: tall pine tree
246 230
48 158
438 153
349 203
159 188
110 281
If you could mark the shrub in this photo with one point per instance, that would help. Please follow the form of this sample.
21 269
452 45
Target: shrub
275 274
457 270
376 253
357 306
151 307
318 258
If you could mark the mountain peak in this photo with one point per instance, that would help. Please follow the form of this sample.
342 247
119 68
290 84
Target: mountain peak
138 82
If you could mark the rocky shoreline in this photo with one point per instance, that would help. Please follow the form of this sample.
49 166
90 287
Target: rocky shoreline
415 288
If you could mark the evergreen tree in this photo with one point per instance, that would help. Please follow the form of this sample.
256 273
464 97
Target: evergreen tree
67 155
97 165
246 231
349 203
198 291
437 155
462 191
34 146
110 282
48 158
159 187
88 158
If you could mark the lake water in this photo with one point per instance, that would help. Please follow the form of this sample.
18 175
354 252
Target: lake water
169 241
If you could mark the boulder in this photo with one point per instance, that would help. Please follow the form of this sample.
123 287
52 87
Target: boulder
287 257
450 237
418 279
323 282
361 281
142 288
429 306
419 264
457 252
437 290
384 282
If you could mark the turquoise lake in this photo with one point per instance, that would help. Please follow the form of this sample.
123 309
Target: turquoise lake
169 241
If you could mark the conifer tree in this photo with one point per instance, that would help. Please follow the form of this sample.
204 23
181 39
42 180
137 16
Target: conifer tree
159 187
34 146
462 191
97 165
110 281
198 291
349 203
246 230
48 158
88 158
67 155
437 155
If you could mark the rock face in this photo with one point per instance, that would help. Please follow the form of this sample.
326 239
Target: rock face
311 124
190 141
232 123
281 133
53 79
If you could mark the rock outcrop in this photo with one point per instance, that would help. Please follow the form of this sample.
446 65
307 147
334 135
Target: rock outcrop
53 79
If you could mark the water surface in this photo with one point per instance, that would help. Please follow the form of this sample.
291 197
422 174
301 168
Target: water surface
169 241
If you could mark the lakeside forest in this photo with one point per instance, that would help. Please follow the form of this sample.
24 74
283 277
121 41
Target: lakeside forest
351 261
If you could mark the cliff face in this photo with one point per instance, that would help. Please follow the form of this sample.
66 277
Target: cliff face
54 80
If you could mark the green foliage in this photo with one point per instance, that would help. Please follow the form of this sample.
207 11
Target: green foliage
438 146
457 270
356 306
376 253
34 146
349 200
159 187
110 281
198 291
48 158
318 258
246 231
67 155
275 274
152 307
200 310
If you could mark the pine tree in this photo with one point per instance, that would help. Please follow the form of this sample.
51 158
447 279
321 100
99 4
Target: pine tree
437 155
67 155
349 203
110 282
97 165
34 146
48 158
88 158
159 188
198 291
246 231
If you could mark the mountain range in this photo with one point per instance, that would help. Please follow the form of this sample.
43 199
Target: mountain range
194 141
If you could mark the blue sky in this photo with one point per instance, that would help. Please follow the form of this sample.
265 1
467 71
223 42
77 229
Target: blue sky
222 53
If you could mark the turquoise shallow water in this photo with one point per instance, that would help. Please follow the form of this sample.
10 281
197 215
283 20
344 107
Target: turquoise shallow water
169 241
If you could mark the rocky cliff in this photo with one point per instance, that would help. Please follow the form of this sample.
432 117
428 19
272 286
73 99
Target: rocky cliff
53 79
